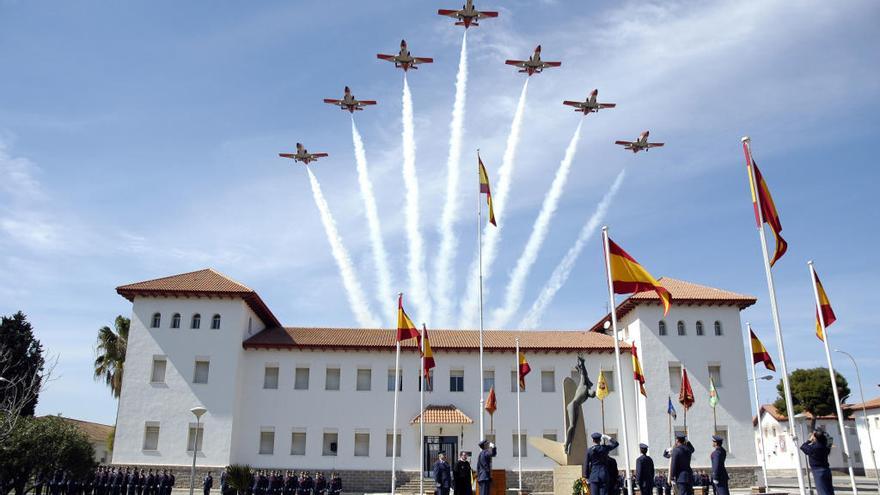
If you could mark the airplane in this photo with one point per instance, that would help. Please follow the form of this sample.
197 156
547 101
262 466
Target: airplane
303 155
590 105
468 15
404 60
349 102
534 65
639 144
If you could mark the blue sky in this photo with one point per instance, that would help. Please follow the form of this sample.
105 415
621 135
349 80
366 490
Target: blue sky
139 140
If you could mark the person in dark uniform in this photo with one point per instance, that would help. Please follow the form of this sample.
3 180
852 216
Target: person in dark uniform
271 483
484 466
719 470
290 484
659 483
320 484
615 480
817 450
149 482
38 484
442 474
681 473
645 471
461 475
305 484
207 484
595 468
335 485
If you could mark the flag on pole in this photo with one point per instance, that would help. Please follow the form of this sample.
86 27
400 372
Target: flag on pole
428 356
759 352
638 374
491 402
601 387
670 409
713 393
406 329
524 369
767 212
686 394
484 189
628 276
825 307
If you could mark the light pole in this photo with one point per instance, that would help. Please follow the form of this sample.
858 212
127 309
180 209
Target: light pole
754 381
803 417
197 411
865 413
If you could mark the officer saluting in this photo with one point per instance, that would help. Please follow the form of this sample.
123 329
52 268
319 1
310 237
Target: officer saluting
645 471
682 474
719 471
817 451
595 467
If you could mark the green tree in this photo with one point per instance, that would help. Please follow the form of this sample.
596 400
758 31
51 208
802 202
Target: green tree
21 365
239 478
110 354
811 393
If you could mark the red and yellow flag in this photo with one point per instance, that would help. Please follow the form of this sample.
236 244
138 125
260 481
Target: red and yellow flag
524 370
405 328
759 352
484 189
638 374
628 276
824 307
686 393
427 354
491 402
767 211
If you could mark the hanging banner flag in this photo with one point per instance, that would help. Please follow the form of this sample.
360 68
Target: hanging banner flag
686 393
713 393
824 307
638 374
628 276
491 402
759 352
428 356
524 370
767 212
484 189
406 329
601 387
670 409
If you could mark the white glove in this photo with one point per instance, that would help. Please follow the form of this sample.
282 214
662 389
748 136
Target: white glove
606 437
491 445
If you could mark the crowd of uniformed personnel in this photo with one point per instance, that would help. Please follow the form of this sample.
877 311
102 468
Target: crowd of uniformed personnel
275 483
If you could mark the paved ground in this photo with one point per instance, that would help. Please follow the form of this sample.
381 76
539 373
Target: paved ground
841 484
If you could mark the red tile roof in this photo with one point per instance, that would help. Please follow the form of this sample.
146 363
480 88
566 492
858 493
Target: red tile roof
441 340
869 404
778 416
201 283
443 415
96 432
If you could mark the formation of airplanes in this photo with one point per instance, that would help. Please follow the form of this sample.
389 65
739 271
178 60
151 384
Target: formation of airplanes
469 16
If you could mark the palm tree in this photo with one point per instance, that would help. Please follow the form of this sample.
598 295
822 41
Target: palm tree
239 478
110 351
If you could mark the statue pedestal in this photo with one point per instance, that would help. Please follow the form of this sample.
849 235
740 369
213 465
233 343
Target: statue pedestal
563 479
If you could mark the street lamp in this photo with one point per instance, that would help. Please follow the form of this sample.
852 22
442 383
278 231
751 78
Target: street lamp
197 411
865 413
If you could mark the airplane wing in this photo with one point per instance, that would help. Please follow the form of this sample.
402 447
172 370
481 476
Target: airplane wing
655 145
552 64
483 14
422 60
624 143
447 12
572 103
332 101
287 155
389 58
518 63
366 102
607 105
319 155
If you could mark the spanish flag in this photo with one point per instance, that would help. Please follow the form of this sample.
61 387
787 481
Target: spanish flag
767 213
484 189
601 387
405 328
825 307
638 374
686 393
628 276
491 402
427 354
759 352
524 370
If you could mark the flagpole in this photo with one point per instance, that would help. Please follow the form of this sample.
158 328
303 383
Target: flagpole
846 452
758 414
394 423
774 310
480 265
637 395
422 413
602 407
629 487
519 438
672 486
684 405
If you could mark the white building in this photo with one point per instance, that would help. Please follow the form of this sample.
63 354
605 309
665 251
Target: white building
98 435
321 398
870 427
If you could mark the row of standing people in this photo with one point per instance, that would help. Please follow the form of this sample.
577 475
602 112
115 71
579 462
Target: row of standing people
274 483
105 481
461 476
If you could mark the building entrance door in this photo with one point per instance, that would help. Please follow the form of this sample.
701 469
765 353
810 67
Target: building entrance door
432 448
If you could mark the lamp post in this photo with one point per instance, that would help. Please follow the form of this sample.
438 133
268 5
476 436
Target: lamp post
197 411
797 451
754 381
865 413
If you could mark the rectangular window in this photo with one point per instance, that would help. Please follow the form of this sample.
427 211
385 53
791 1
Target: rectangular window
609 379
331 381
361 444
429 382
298 443
158 374
491 437
267 440
722 432
715 374
548 381
514 381
549 435
456 380
193 440
488 380
388 445
674 377
301 379
364 380
330 444
391 380
270 378
200 373
520 442
151 436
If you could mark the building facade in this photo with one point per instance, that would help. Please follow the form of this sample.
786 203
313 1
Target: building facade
867 422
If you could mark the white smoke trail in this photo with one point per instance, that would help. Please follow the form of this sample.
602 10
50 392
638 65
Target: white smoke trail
563 269
515 288
491 234
353 291
444 279
418 280
380 256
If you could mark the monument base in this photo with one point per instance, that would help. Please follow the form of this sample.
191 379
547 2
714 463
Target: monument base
564 478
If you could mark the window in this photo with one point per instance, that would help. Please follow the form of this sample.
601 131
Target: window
715 374
361 444
549 435
519 442
429 382
388 445
270 378
158 374
391 380
661 327
364 380
456 380
609 379
514 381
267 440
151 435
613 436
681 328
721 431
674 377
301 379
488 380
215 322
250 325
548 381
330 443
194 437
298 443
331 380
156 321
196 321
699 328
175 320
718 330
200 372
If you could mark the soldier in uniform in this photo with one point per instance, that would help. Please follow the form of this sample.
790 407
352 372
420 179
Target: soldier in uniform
305 484
271 483
224 484
719 470
484 466
320 483
335 484
615 480
253 488
645 471
207 484
595 468
659 483
461 474
681 473
442 475
817 450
